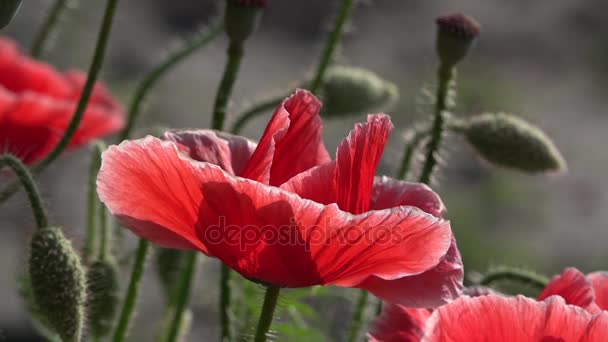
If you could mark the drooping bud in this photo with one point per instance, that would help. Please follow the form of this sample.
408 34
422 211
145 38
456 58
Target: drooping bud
169 264
8 9
349 90
509 141
103 297
455 35
58 282
241 19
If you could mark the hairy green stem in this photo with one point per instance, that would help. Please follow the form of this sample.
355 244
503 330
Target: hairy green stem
25 177
410 151
357 319
332 43
445 75
514 274
128 306
105 233
155 75
235 56
255 111
225 295
49 27
270 302
182 296
92 203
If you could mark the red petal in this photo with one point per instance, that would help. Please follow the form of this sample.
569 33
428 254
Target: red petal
152 191
573 287
399 324
230 152
389 192
292 142
357 159
599 281
432 288
502 319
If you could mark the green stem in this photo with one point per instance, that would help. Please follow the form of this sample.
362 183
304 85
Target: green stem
332 43
254 112
93 202
410 151
183 295
105 233
270 303
128 305
379 307
155 75
225 294
514 274
445 75
28 183
49 27
357 320
235 56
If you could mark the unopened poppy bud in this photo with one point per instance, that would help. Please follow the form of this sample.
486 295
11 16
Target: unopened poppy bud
103 297
350 90
8 9
241 19
169 263
455 35
58 282
509 141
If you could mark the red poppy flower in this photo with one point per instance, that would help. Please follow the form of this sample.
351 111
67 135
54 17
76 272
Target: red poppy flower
37 103
589 292
281 212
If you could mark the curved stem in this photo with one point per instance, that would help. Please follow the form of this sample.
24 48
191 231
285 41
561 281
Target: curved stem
155 75
105 233
48 27
358 316
270 302
445 75
235 56
30 187
514 274
92 202
408 154
128 305
254 112
332 43
98 57
225 293
183 295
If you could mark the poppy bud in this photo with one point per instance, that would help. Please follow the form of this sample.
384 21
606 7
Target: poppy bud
241 18
169 263
349 90
511 142
456 33
102 280
58 282
8 9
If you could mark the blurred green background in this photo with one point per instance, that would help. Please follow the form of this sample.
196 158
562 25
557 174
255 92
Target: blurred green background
545 62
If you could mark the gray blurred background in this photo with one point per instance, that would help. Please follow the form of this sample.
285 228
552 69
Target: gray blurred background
546 61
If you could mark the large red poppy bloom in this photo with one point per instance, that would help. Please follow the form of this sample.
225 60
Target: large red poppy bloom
282 212
37 103
502 319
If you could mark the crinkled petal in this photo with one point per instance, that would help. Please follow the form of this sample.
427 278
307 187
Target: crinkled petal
599 281
292 142
230 152
573 287
433 288
398 323
502 319
389 192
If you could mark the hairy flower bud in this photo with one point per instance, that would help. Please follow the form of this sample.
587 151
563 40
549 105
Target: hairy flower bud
8 9
103 298
456 33
57 282
241 18
511 142
349 90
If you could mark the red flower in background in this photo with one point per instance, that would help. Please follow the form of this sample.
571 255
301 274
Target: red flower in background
508 319
37 104
281 212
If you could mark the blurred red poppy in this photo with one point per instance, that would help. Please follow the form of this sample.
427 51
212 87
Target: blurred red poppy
37 104
589 292
281 212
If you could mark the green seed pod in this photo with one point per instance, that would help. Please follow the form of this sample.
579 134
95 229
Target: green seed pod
58 282
8 9
349 90
455 36
509 141
169 263
103 299
242 18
